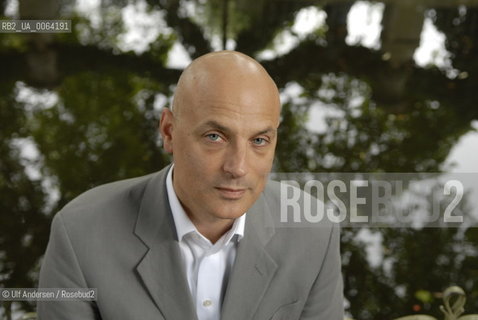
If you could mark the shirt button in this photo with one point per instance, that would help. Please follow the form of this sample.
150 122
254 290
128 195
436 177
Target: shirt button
207 303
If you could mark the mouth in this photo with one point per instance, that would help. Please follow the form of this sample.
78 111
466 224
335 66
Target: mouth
231 193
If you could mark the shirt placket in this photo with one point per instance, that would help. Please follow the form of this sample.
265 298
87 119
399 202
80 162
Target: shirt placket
209 284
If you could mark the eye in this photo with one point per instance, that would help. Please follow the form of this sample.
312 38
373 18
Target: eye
259 141
213 136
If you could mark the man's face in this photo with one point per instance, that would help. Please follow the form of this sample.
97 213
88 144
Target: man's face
223 140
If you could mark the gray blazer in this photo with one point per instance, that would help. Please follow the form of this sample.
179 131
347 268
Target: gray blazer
120 238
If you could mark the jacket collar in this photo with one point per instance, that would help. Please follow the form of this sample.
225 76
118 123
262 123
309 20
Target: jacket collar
161 267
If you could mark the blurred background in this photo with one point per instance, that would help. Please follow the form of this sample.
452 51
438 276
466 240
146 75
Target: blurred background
382 86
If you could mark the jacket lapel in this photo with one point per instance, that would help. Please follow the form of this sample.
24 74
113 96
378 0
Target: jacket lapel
161 269
254 267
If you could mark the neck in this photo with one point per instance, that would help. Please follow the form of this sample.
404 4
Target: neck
213 230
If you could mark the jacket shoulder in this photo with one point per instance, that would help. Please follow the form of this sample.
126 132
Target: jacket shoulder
104 198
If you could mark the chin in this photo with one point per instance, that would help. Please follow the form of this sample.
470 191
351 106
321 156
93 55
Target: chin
230 208
227 214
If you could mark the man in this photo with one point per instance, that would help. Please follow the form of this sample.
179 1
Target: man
197 240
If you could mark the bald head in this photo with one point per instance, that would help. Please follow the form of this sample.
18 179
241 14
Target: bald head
231 71
222 137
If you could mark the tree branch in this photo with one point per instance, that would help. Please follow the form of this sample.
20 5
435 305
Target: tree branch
267 22
312 58
72 59
190 34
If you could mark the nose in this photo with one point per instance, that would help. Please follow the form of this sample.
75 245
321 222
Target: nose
235 162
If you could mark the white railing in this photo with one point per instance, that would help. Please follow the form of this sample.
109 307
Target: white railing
454 299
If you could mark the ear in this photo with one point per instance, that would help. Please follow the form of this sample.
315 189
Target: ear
166 129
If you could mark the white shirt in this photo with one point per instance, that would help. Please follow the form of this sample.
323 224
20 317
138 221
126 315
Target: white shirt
207 265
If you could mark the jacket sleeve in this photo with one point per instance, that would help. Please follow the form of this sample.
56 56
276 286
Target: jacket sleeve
326 301
61 269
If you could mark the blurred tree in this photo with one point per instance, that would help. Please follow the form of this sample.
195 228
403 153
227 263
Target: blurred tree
460 25
106 127
23 223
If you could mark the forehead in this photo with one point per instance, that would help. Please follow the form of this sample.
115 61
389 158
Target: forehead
231 116
238 110
232 99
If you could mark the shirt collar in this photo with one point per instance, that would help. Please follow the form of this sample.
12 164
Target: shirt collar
185 226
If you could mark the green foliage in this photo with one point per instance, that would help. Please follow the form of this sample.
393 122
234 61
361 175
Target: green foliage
23 224
104 131
424 296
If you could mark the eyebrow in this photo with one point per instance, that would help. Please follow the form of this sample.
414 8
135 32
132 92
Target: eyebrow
216 125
